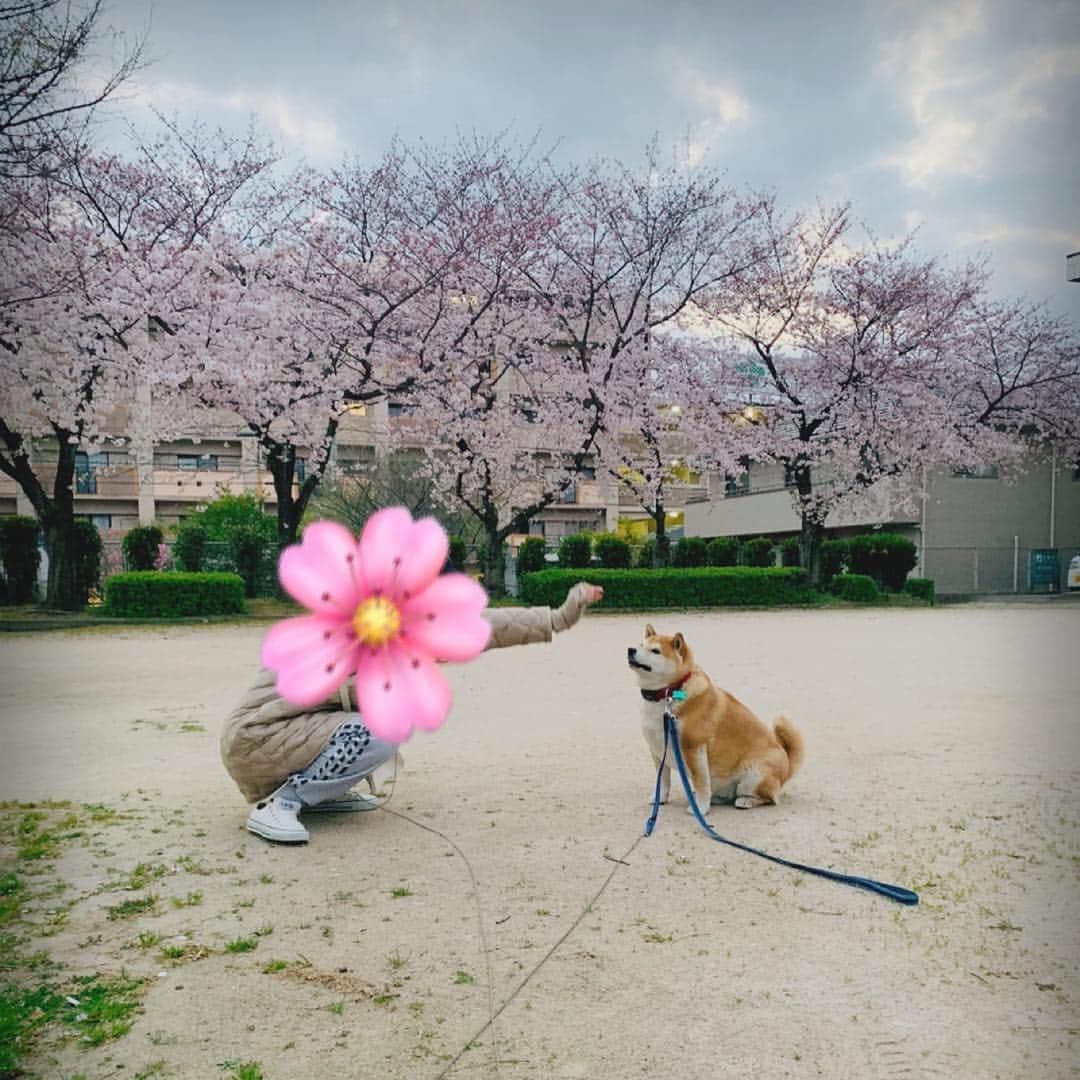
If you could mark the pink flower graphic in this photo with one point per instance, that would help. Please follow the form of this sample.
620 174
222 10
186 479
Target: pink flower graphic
380 609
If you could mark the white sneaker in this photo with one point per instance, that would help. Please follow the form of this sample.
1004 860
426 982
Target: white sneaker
276 818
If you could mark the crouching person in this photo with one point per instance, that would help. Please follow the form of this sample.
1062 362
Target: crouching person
288 759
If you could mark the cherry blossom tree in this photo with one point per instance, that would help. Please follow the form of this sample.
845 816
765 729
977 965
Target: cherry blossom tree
497 409
844 350
46 104
1013 382
630 254
82 258
650 444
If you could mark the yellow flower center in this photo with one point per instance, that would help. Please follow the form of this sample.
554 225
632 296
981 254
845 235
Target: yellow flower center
376 621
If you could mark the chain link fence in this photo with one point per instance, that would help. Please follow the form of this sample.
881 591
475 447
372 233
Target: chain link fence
987 570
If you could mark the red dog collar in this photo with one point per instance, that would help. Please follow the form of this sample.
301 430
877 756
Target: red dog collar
667 691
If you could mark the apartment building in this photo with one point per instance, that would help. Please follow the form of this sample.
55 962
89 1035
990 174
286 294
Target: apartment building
120 487
977 531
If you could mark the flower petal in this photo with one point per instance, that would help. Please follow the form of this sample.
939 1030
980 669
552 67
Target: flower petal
382 544
445 620
322 572
312 654
398 690
422 558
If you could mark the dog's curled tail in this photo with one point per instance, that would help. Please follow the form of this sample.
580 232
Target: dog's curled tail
792 741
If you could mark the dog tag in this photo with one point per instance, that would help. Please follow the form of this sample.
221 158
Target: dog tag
678 695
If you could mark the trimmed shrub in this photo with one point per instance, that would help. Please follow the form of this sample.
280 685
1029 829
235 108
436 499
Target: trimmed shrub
789 551
457 554
86 541
141 547
575 552
834 557
723 551
612 551
531 555
20 557
922 588
248 546
886 557
725 586
858 588
149 595
645 554
756 552
690 551
190 548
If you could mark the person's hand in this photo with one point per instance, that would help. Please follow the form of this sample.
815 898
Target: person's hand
593 593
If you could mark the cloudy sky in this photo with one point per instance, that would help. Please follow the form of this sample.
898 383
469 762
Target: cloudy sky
961 117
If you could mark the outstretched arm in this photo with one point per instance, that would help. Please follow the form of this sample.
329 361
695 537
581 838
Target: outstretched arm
528 626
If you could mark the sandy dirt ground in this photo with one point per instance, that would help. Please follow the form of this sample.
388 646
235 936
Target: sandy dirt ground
943 754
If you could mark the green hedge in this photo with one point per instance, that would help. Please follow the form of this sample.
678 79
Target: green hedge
719 586
612 551
141 546
149 594
921 588
886 557
20 557
531 556
834 556
858 588
575 551
756 552
690 551
722 551
789 551
190 548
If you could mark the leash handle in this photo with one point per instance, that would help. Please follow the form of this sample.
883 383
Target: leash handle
671 735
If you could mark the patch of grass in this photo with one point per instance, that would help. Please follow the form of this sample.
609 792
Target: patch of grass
264 931
336 1007
272 966
400 891
193 899
173 952
155 1068
23 1012
12 894
248 1070
143 874
242 944
105 1008
147 940
463 977
126 909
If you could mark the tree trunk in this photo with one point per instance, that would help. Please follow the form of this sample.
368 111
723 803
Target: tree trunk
811 535
494 561
661 544
812 531
63 591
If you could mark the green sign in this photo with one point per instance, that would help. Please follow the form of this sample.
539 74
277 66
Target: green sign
1044 570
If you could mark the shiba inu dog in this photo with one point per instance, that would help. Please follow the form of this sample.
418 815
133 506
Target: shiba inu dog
730 754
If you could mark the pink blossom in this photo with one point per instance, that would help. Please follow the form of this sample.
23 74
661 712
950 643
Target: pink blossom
381 609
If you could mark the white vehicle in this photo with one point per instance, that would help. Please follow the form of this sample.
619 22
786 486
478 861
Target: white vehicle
1074 573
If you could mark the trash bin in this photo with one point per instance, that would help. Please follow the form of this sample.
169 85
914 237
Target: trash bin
1074 573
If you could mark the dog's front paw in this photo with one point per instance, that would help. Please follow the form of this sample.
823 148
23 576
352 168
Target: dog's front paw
747 802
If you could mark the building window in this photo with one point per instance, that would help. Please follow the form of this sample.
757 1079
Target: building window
588 472
301 469
205 462
569 495
86 470
736 484
99 521
400 408
976 472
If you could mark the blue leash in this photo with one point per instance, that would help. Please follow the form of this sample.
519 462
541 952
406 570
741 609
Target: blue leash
893 892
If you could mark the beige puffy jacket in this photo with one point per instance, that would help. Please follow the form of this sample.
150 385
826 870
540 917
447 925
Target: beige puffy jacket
266 738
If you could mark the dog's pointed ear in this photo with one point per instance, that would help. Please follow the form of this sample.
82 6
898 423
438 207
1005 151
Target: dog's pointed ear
649 631
678 643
